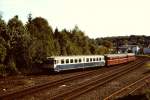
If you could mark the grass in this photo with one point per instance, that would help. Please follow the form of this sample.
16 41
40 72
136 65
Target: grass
147 65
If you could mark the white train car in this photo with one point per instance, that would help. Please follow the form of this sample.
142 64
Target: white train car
60 63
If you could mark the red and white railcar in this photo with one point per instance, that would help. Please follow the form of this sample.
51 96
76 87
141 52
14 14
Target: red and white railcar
114 59
131 57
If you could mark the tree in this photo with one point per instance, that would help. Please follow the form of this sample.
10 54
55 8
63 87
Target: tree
2 52
57 42
64 42
107 44
29 17
81 41
17 44
42 44
102 50
3 28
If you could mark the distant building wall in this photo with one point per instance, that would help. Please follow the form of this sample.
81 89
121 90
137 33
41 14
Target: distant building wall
135 50
129 48
146 50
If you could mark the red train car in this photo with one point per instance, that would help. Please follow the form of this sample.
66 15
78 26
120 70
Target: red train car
131 57
123 58
111 59
114 59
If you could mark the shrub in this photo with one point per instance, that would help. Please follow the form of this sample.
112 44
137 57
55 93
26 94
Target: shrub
2 70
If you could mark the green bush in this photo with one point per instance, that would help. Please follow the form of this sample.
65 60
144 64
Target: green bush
13 68
2 53
2 70
147 93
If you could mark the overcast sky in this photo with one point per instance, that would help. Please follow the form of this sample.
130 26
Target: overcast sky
97 18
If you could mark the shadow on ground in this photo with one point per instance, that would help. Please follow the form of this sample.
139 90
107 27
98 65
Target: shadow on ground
134 97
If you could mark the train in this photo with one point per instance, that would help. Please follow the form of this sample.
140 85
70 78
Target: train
61 63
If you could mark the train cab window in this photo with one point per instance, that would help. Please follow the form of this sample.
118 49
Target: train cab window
55 61
87 59
75 60
80 60
93 59
62 61
90 59
67 60
99 59
71 60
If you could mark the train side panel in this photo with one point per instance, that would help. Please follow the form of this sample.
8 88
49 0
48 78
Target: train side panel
77 62
131 57
114 59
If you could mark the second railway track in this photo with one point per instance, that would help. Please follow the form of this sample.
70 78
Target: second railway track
129 89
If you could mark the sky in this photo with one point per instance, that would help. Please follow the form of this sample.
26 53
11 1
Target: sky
97 18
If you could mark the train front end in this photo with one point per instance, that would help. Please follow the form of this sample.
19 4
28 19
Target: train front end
49 63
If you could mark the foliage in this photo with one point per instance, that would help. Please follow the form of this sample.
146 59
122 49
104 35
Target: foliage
2 70
147 65
2 53
147 93
17 44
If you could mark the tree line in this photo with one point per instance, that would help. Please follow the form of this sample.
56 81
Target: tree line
23 46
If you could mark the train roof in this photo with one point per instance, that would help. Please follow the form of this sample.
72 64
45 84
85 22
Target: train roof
76 56
116 55
90 56
130 54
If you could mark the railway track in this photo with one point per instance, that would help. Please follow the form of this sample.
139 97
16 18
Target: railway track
29 90
100 80
129 89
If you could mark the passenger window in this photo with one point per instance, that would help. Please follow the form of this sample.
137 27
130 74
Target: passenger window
67 60
62 61
90 59
87 59
71 60
79 60
93 59
99 59
76 60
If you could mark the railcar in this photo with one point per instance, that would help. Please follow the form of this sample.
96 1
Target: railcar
111 59
131 57
60 63
123 58
114 59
